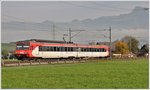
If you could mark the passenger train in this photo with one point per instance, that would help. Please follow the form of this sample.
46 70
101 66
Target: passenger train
46 49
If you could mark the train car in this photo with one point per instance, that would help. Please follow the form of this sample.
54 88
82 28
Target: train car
45 49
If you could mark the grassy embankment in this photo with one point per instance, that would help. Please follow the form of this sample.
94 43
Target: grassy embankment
103 74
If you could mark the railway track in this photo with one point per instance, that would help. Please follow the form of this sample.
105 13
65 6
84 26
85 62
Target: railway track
39 62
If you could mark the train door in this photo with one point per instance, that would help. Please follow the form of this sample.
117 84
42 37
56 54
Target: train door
81 52
70 52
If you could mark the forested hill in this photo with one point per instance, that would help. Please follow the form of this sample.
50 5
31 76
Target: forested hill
8 46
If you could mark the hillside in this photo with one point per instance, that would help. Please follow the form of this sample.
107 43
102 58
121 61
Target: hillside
8 46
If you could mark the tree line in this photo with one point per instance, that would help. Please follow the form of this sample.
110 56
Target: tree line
129 44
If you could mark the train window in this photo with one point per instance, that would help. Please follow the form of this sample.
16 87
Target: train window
58 48
87 49
40 48
62 48
51 48
47 48
55 49
104 50
75 49
44 48
66 49
82 49
90 49
98 50
71 48
95 49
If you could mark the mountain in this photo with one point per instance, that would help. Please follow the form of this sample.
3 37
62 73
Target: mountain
137 19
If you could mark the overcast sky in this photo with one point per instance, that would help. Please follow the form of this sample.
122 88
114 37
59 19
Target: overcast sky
64 11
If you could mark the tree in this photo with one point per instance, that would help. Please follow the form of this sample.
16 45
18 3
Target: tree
121 47
5 53
132 43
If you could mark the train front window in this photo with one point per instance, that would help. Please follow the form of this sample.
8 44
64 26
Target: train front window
22 46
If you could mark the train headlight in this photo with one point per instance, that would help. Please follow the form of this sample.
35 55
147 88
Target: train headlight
21 52
16 52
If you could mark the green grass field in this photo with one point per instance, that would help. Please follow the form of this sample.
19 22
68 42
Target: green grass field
121 74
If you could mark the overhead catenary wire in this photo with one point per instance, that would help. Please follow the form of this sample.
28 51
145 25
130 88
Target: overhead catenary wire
109 6
97 4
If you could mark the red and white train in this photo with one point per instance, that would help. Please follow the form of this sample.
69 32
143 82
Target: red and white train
44 49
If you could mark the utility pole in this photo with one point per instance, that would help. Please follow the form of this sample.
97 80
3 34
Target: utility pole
53 31
130 42
69 34
110 42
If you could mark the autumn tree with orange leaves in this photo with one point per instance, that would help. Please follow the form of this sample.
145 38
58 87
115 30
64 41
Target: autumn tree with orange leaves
121 47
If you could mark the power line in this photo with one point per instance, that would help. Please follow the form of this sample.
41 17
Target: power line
95 8
69 3
70 35
53 31
108 6
110 46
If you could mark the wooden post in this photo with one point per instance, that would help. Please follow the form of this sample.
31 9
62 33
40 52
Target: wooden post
30 62
79 60
39 62
18 63
48 61
65 61
57 61
3 64
73 60
85 59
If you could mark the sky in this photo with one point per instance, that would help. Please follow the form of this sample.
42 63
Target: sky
64 11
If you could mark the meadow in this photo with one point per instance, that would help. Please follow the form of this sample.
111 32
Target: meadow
122 74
